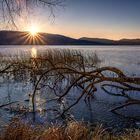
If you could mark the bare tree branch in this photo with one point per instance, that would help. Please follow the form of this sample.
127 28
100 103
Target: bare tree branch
12 9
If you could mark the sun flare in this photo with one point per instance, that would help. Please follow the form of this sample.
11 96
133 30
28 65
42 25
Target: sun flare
33 30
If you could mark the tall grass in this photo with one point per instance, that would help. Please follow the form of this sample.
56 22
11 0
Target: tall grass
53 55
35 64
18 130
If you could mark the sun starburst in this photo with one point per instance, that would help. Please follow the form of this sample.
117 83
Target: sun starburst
33 30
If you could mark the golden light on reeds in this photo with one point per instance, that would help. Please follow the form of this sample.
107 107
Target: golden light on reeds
34 52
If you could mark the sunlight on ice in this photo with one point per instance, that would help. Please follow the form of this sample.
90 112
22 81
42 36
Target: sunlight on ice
40 103
34 52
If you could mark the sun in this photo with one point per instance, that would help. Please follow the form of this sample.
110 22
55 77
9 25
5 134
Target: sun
33 30
34 35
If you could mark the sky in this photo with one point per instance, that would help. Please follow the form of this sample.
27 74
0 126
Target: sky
112 19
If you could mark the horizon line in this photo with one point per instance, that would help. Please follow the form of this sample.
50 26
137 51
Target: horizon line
75 37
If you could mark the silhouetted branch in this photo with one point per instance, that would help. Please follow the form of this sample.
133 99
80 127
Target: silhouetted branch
11 9
126 104
91 79
61 71
8 104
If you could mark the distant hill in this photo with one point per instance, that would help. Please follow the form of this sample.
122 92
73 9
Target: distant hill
24 38
113 42
101 40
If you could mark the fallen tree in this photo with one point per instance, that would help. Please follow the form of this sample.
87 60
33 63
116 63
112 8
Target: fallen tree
88 82
61 71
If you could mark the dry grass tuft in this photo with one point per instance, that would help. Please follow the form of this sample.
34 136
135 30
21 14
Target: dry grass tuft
131 135
18 130
53 133
76 131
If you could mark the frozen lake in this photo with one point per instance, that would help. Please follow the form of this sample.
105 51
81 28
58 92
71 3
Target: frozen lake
126 58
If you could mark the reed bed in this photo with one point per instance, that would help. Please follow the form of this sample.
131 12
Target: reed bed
18 130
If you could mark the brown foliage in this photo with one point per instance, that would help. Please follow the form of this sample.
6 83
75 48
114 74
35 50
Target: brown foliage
18 130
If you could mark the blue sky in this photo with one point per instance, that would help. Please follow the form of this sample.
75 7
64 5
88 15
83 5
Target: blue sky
99 18
113 19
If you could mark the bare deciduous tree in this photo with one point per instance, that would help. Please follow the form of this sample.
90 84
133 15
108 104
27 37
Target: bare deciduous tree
10 10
